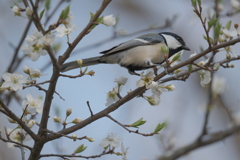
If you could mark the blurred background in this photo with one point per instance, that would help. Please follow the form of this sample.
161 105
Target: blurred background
182 109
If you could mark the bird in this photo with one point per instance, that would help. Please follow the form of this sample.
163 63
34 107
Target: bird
140 53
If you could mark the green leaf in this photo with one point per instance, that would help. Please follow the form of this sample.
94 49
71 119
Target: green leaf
194 3
176 57
41 14
217 30
210 39
228 25
159 128
98 20
199 2
190 68
80 149
65 12
91 15
138 123
212 21
47 4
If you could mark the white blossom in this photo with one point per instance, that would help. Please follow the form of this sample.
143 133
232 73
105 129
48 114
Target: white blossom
192 55
218 85
111 140
154 99
34 51
14 81
36 43
121 80
68 21
112 96
17 135
109 20
16 11
205 77
33 73
146 79
34 105
124 152
202 63
63 30
36 38
229 33
48 39
235 4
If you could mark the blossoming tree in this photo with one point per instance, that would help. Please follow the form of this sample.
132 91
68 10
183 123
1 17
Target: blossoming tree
41 43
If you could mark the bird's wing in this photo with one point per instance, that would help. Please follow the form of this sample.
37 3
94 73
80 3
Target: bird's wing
147 39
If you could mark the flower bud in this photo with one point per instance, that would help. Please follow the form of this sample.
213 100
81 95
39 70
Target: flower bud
228 56
31 123
109 20
77 120
29 12
79 61
26 70
57 119
121 81
16 11
216 66
90 139
68 112
170 87
74 137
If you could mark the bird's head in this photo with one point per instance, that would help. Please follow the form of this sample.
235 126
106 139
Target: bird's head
174 41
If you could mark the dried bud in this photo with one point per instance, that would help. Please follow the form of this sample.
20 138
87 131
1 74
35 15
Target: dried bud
236 25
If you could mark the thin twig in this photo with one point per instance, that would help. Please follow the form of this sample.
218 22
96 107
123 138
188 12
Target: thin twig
89 107
130 131
18 144
19 121
78 156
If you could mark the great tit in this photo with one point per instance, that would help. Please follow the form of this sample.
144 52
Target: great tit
140 53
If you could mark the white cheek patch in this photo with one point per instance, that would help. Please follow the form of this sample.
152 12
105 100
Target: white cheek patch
141 40
172 42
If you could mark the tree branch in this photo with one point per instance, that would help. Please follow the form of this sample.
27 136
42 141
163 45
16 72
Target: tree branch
207 139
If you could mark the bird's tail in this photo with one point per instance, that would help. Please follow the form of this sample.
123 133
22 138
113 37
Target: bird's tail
85 62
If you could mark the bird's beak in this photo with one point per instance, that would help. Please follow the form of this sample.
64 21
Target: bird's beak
185 48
